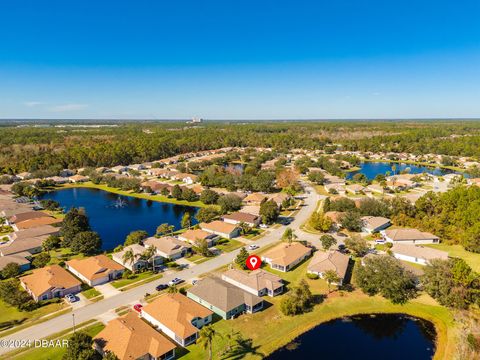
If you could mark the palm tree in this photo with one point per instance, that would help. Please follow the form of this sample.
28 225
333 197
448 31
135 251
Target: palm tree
172 289
207 335
129 257
149 255
330 276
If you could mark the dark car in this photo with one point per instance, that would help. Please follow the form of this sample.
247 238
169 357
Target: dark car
161 287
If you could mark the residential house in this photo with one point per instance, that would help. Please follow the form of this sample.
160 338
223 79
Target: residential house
168 247
330 260
135 264
188 179
375 188
251 209
178 317
128 337
417 254
21 259
58 179
223 298
95 270
258 282
254 198
78 178
409 236
279 198
286 256
355 189
29 215
66 173
192 236
32 245
23 175
335 217
373 224
241 217
34 232
50 282
221 228
119 169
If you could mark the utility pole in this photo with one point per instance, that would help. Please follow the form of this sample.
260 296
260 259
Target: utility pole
73 319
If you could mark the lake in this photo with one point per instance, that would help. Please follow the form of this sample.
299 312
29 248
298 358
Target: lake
114 216
372 169
372 337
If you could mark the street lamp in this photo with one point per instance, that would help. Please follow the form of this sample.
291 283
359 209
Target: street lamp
73 320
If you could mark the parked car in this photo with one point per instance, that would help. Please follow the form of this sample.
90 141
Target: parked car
70 298
175 281
263 226
253 247
161 287
138 307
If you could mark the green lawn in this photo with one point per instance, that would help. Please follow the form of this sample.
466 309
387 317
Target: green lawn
198 259
11 316
458 251
143 277
55 353
254 233
230 245
63 254
91 293
270 329
159 198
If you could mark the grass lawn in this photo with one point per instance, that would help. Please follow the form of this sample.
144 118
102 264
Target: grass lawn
159 198
198 259
270 329
11 316
143 277
230 245
458 251
62 254
55 353
254 233
91 293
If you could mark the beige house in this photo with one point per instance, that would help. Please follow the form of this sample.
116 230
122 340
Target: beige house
409 236
95 270
285 256
372 224
258 282
417 254
137 263
178 317
128 337
221 228
330 260
254 198
241 217
168 247
192 236
50 282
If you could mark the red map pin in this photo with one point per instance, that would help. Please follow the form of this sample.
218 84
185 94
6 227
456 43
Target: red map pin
253 262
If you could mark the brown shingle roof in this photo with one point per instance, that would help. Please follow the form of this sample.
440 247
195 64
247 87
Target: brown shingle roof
128 337
16 259
222 294
49 277
257 279
242 217
408 235
331 260
373 222
176 312
166 244
421 252
29 215
285 254
194 235
219 226
23 244
32 223
94 267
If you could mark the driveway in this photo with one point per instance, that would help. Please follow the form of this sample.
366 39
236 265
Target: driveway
107 290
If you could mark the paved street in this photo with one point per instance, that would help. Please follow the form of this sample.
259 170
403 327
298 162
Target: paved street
101 308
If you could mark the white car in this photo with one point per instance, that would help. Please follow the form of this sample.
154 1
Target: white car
70 298
263 226
253 247
175 281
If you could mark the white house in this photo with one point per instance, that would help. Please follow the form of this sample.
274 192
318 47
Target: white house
409 236
417 254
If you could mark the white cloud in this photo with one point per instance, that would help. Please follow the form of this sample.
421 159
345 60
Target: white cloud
67 107
33 103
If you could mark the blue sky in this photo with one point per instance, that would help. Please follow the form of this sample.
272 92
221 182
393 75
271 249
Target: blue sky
239 59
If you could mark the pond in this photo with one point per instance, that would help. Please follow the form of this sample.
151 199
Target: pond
114 216
372 337
372 169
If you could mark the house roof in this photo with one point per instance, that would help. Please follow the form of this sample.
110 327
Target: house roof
94 267
222 294
279 197
330 260
129 337
242 217
29 215
49 277
335 216
16 259
355 187
136 248
32 223
251 209
285 253
408 235
23 244
374 222
196 234
166 244
255 197
36 231
176 312
421 252
257 279
219 226
78 177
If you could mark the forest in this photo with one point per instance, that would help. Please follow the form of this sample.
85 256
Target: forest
24 147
